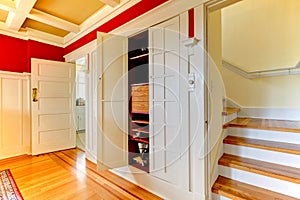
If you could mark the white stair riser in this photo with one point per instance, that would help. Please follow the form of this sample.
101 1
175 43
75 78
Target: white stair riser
286 159
276 185
229 118
276 136
218 197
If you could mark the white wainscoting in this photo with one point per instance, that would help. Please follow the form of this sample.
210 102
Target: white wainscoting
15 117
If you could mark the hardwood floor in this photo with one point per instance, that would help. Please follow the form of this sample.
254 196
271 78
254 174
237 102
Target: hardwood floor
266 124
67 175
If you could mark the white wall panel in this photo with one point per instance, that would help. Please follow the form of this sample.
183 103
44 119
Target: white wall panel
14 114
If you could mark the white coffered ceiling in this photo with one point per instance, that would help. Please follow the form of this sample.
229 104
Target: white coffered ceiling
59 20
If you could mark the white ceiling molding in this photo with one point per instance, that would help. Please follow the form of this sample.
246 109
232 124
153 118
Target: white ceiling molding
44 37
7 5
28 33
4 30
157 15
81 52
111 3
45 18
16 19
99 18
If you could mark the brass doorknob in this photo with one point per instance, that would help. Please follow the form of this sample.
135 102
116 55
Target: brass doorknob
34 94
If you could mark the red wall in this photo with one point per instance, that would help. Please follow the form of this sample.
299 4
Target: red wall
15 54
44 51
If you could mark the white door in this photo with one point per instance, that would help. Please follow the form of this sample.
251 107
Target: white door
168 105
52 106
112 101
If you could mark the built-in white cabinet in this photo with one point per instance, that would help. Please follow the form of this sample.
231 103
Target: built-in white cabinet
175 90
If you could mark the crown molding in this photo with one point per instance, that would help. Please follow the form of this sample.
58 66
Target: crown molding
81 52
157 15
43 37
31 34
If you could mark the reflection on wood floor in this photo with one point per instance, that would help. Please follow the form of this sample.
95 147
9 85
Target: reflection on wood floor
68 175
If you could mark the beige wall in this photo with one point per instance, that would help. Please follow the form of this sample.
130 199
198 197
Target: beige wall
261 34
270 92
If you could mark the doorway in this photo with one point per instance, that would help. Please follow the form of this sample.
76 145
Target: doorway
81 101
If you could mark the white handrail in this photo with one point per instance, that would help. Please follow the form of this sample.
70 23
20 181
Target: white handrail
262 73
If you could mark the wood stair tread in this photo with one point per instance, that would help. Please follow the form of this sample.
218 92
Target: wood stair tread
265 124
237 190
277 171
263 144
229 111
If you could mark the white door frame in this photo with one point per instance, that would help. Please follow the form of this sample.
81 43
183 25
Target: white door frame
89 51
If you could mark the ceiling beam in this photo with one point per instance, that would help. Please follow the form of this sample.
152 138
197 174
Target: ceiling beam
16 19
7 5
111 3
45 18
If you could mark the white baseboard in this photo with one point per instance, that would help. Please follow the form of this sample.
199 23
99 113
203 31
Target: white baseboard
271 113
286 159
266 113
275 136
157 186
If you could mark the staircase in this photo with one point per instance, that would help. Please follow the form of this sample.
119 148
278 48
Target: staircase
261 159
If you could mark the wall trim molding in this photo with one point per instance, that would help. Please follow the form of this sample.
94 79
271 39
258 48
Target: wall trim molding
157 15
15 75
81 52
263 73
265 112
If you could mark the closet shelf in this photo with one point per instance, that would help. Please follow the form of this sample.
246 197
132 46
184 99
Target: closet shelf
142 130
140 140
140 121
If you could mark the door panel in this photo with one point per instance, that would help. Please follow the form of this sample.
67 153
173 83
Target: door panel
54 122
166 130
54 89
50 105
53 71
112 101
52 114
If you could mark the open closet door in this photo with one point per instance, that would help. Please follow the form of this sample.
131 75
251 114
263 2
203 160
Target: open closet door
112 101
168 105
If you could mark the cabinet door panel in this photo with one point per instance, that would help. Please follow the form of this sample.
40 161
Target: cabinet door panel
112 101
166 135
